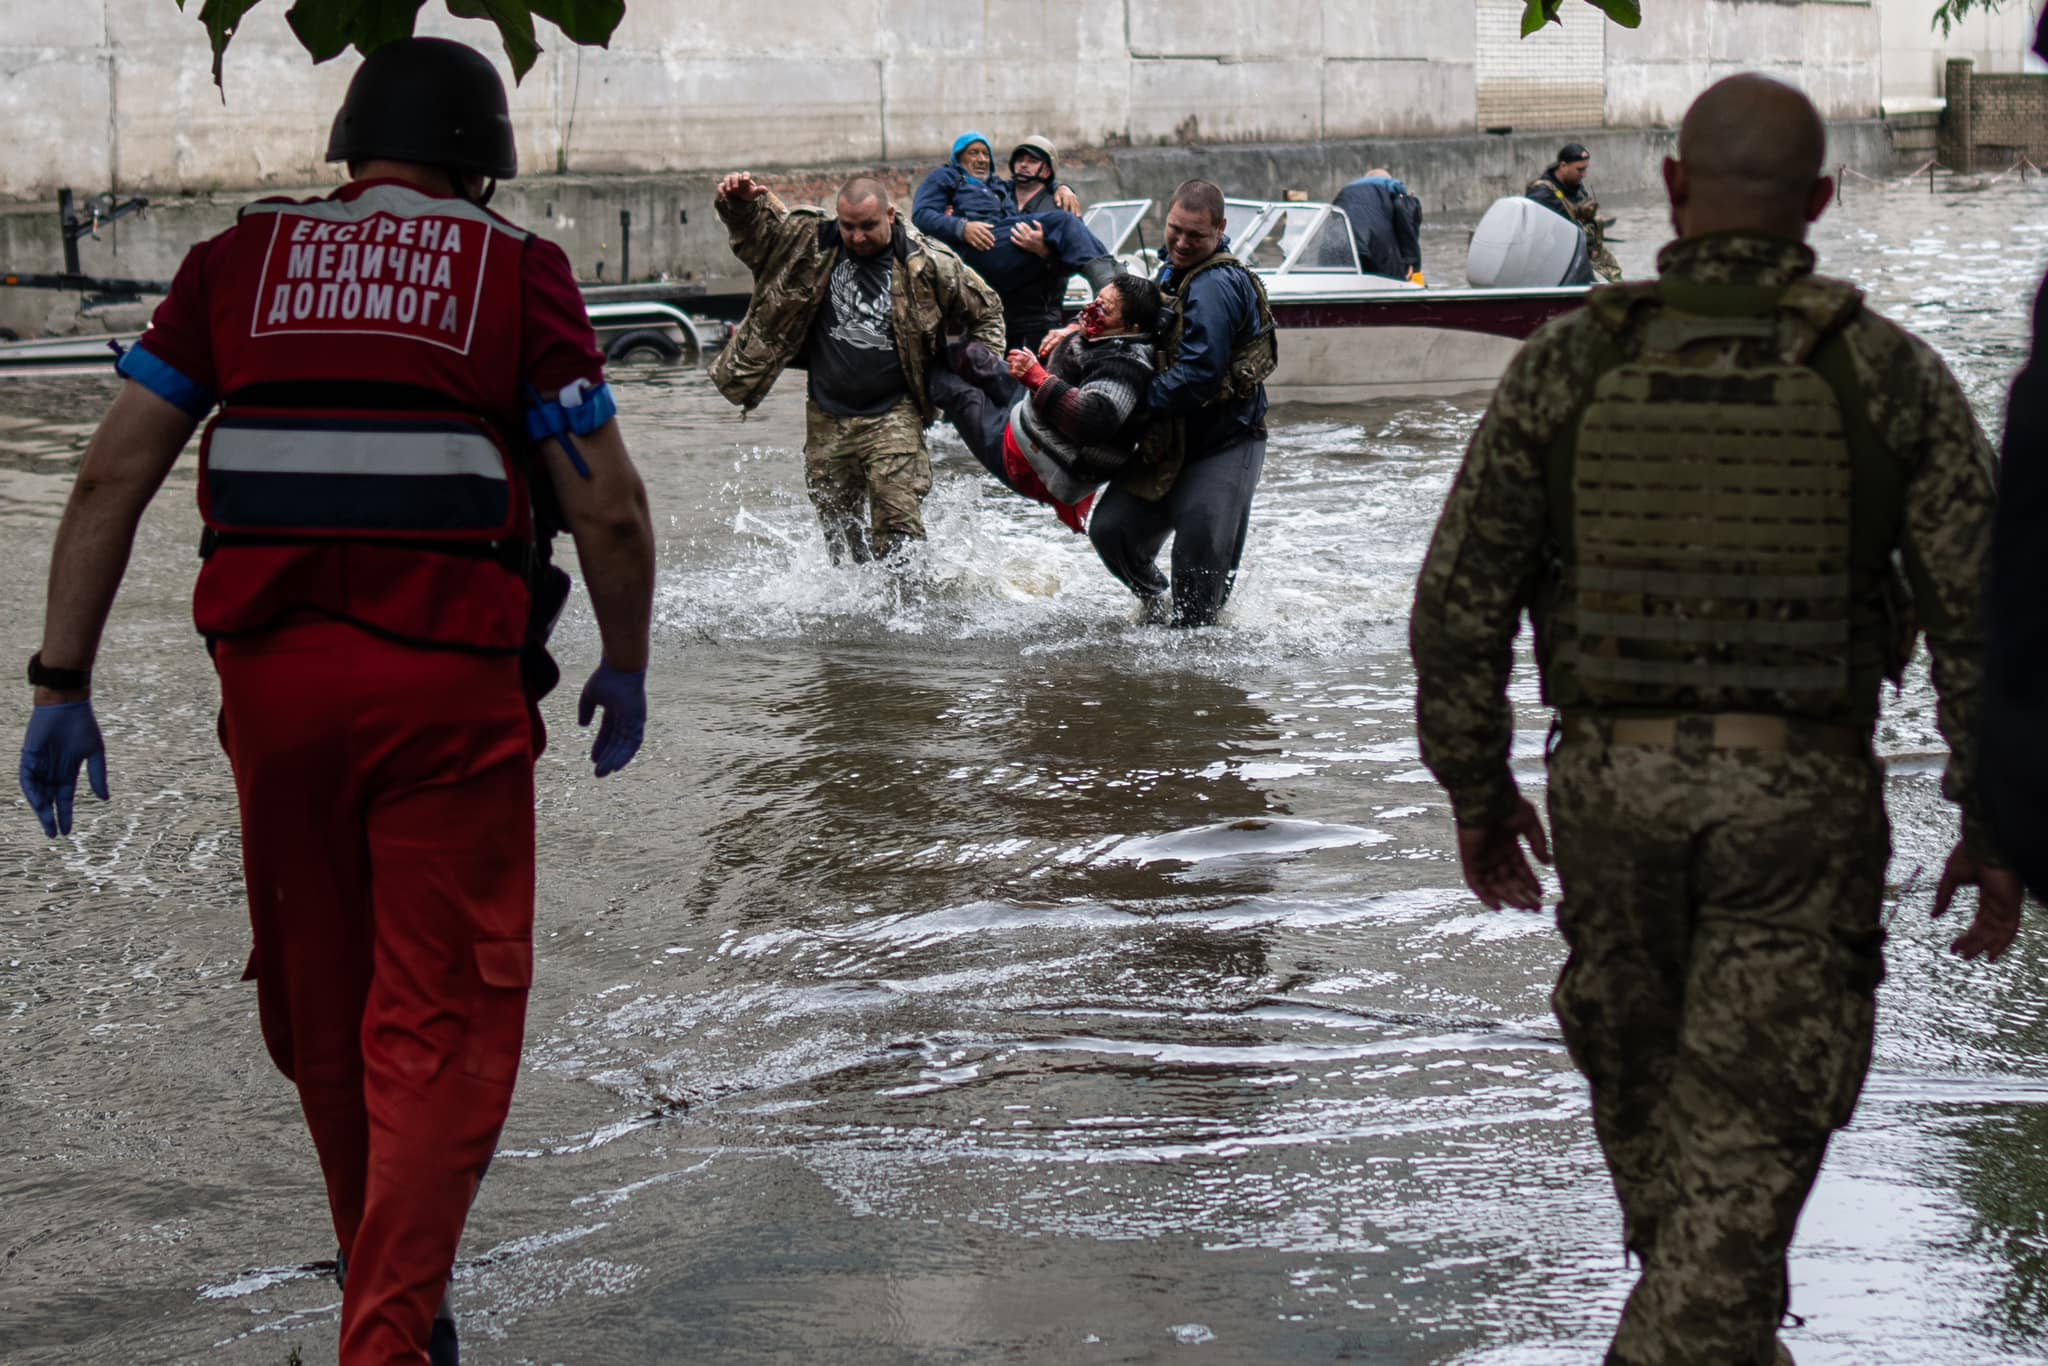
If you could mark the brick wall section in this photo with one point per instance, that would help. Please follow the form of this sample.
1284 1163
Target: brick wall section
1993 120
2010 115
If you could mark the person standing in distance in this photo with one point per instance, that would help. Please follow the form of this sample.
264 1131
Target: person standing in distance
1201 456
1563 190
1696 488
402 375
865 305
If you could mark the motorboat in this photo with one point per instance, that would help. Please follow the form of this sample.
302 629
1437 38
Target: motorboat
1347 336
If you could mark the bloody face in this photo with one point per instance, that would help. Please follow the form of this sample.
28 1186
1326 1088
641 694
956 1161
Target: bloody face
866 227
1105 313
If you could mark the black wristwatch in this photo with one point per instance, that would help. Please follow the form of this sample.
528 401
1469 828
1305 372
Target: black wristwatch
57 680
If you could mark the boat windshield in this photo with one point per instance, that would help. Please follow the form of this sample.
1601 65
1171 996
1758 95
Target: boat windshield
1328 247
1300 237
1115 221
1276 236
1240 218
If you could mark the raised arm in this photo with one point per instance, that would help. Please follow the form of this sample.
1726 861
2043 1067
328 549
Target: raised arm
756 220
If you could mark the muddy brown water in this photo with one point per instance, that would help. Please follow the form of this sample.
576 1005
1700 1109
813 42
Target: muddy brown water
965 974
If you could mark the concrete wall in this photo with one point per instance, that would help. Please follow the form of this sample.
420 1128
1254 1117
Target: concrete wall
1915 53
102 94
1831 51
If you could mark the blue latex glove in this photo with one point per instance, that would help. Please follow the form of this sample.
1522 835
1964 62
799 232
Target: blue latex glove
624 699
59 739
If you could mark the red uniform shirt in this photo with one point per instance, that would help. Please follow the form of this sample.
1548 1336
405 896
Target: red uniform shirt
379 284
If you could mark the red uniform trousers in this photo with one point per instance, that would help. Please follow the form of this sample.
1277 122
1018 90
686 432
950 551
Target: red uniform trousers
388 842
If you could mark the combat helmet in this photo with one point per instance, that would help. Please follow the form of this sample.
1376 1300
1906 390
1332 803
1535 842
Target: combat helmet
429 101
1043 146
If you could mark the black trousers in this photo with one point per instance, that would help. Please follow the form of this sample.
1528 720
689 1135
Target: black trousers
1207 512
980 412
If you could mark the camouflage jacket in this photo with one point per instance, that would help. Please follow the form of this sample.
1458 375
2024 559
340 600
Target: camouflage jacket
1489 559
791 253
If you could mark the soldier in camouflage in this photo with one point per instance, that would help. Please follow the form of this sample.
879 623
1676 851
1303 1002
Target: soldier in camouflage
1703 491
864 303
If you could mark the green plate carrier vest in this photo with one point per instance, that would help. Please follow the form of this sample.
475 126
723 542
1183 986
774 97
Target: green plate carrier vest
1710 506
1163 448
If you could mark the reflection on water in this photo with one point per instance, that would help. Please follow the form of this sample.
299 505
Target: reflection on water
966 973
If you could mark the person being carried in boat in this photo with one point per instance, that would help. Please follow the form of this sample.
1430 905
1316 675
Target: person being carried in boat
1563 190
1386 225
1056 425
1023 235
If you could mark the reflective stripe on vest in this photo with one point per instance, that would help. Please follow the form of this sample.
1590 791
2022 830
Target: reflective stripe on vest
294 472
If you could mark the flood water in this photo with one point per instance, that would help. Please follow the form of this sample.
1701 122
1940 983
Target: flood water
964 973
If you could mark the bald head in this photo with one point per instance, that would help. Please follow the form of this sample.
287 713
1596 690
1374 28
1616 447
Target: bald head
867 220
1749 158
862 190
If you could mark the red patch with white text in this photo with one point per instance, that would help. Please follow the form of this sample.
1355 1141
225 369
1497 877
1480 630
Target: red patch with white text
416 277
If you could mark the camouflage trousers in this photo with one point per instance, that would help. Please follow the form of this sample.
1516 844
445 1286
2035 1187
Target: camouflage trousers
867 469
1722 911
1606 270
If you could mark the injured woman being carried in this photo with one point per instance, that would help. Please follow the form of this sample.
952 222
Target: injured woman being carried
1058 424
1022 235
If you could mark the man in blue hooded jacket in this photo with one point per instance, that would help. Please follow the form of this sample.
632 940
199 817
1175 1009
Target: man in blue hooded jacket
1025 257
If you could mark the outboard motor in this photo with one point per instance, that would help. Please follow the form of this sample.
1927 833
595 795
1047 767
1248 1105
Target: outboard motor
1519 244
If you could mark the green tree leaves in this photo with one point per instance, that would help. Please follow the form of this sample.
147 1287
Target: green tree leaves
327 28
1949 12
1627 13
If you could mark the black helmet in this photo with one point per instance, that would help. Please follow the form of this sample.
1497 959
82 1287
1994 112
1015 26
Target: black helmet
429 101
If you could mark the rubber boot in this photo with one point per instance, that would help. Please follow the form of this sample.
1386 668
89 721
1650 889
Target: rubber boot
1100 272
442 1349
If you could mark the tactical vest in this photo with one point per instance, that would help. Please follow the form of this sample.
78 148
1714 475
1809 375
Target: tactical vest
1251 360
1724 514
368 348
1162 449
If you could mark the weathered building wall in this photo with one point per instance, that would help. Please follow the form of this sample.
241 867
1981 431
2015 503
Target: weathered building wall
1916 54
102 94
1829 50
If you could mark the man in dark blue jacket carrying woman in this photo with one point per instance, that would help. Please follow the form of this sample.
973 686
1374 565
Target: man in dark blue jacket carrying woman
1200 456
1026 250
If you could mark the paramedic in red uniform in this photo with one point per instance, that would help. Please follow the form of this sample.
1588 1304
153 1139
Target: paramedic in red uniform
401 374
